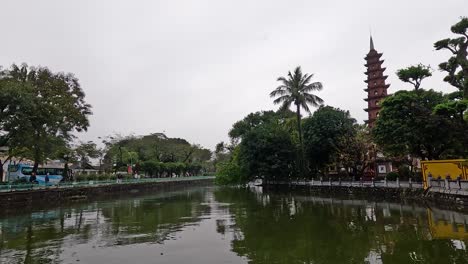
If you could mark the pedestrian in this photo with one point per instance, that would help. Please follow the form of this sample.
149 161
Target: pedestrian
32 178
46 179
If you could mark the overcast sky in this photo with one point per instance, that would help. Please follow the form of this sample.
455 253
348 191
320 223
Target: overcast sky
192 68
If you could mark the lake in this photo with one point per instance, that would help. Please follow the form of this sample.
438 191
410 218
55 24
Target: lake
208 225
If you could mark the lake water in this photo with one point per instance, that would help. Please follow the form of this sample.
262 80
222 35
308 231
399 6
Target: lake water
226 225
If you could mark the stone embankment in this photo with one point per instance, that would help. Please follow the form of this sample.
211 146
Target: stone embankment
57 195
384 190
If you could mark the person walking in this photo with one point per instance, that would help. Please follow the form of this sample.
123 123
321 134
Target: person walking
46 179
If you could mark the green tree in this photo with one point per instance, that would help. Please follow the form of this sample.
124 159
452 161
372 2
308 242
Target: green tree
407 125
296 89
354 152
51 106
414 74
327 134
159 148
86 151
253 120
229 171
267 152
457 65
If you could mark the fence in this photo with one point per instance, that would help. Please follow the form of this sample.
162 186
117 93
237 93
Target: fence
447 183
30 186
438 184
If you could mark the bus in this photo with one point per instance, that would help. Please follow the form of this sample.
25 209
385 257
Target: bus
23 171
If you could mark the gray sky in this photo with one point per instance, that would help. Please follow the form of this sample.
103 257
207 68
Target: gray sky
192 68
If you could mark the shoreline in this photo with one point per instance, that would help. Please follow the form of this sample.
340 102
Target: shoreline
56 196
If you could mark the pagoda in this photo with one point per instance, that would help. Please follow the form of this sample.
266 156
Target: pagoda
376 87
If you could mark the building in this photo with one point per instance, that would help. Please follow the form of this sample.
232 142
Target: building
376 86
376 91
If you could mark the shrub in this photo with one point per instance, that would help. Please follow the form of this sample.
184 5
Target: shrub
79 177
392 176
20 181
230 172
404 172
418 176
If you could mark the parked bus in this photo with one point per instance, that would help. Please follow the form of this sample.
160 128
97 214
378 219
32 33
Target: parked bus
23 171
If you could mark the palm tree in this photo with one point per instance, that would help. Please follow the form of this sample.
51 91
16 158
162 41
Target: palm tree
296 89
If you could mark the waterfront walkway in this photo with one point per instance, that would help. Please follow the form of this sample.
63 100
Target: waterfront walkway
71 185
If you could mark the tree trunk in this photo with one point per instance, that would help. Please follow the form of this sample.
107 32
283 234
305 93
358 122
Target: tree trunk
301 145
36 165
1 170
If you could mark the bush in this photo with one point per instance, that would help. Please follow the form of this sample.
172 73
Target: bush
418 177
404 172
392 176
79 177
94 177
20 181
230 172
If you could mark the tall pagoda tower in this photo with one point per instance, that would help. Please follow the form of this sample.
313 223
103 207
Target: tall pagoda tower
376 87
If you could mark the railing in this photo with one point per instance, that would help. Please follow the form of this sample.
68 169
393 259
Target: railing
361 183
448 183
91 183
436 185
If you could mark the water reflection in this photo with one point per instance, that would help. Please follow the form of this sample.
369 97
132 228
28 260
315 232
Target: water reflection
226 225
40 237
302 229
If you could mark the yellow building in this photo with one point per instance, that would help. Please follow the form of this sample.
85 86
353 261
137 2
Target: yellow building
444 168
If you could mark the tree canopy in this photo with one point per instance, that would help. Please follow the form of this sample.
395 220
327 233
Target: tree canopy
40 110
457 65
414 74
268 152
326 135
407 125
156 154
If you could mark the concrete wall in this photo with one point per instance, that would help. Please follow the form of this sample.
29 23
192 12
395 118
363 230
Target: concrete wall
55 196
381 194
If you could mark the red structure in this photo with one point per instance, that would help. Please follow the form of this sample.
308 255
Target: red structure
376 87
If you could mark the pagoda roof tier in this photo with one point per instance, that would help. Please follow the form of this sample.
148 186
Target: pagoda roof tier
373 54
375 70
376 78
372 97
372 108
379 62
370 120
377 87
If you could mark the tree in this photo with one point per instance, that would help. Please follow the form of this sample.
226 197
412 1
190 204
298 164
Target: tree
267 152
356 149
229 171
86 151
253 120
457 65
296 89
156 147
51 106
407 125
326 135
12 100
414 74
